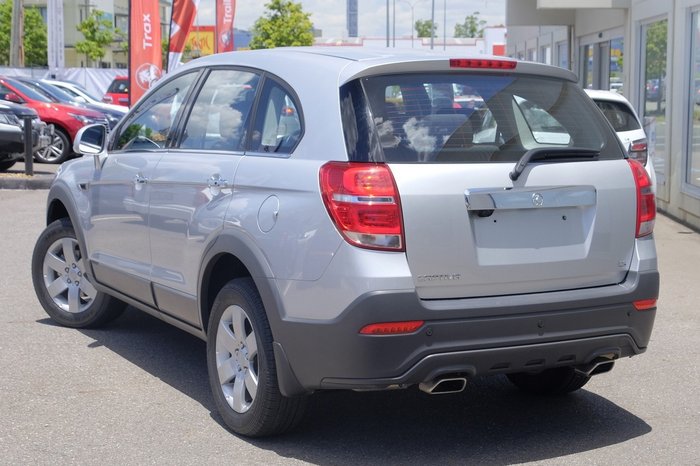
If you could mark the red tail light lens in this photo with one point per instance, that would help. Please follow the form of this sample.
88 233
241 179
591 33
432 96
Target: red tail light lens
483 64
646 200
639 151
363 201
392 328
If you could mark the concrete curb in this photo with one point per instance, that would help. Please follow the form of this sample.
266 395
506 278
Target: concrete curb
37 181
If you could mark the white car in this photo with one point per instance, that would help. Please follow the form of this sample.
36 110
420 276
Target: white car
627 125
82 94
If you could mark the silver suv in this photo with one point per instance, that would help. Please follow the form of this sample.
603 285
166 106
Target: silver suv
360 220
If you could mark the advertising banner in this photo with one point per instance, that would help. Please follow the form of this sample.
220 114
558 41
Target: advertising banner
145 54
184 12
225 12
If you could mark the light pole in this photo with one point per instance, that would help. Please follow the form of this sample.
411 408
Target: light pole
387 23
444 24
432 26
413 20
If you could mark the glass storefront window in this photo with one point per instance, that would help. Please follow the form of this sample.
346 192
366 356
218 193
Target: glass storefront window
616 64
587 58
653 93
563 55
693 171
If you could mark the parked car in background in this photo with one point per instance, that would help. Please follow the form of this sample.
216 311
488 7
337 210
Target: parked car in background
655 90
82 94
624 120
66 119
12 133
321 229
118 92
59 95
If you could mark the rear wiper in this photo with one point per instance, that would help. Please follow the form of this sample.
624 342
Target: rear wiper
546 153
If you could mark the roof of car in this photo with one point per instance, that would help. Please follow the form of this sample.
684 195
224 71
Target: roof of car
353 62
598 94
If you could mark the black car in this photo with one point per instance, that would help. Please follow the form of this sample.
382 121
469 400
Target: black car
12 132
59 95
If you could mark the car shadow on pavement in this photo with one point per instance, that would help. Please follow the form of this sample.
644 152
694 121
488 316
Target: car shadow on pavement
490 422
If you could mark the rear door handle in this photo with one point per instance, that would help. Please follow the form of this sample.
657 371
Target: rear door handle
140 179
216 182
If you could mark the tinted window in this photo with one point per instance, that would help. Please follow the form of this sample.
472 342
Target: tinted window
220 114
148 125
119 86
278 122
620 116
28 91
468 118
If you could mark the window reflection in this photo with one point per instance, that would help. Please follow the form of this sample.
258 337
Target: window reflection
653 93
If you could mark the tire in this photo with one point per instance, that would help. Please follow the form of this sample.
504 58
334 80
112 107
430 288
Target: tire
241 365
58 151
4 166
63 284
556 381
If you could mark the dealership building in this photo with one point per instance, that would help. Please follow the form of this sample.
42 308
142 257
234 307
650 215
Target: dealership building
648 50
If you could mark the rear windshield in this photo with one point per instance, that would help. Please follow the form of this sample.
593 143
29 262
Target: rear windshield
458 118
620 116
119 86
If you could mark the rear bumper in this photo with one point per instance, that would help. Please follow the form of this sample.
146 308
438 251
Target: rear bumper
510 334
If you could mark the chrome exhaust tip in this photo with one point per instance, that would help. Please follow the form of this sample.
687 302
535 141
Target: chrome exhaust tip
443 386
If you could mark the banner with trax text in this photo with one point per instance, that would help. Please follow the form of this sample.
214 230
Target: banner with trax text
225 12
183 14
145 54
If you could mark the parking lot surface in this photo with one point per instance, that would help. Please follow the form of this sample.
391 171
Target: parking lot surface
136 392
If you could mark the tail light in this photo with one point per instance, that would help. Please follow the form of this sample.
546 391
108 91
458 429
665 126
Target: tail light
363 201
646 200
639 151
645 304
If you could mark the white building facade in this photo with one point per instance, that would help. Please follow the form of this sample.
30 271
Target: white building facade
649 50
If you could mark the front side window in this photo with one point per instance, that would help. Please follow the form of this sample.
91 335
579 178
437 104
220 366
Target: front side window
461 118
221 112
148 126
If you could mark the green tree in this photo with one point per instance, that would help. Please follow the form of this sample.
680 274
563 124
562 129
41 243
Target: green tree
423 28
472 26
34 39
283 24
98 33
656 44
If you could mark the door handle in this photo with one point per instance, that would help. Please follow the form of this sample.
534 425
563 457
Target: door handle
140 179
216 182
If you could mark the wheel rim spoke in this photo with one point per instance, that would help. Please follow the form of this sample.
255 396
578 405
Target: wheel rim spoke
251 383
73 299
57 287
238 395
227 371
68 244
55 263
225 339
238 319
252 346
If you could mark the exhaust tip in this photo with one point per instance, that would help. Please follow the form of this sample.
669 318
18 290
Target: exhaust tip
444 386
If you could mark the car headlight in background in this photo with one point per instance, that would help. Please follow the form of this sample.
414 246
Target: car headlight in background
10 119
83 119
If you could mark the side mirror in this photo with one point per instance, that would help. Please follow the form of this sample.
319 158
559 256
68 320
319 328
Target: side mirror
12 97
91 140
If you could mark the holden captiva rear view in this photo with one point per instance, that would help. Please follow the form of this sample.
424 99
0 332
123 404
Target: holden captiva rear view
381 221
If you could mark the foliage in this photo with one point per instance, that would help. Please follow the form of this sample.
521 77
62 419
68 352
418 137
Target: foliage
34 39
284 24
98 33
657 38
472 26
423 28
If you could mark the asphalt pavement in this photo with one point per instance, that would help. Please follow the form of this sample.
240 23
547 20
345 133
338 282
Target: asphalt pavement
137 392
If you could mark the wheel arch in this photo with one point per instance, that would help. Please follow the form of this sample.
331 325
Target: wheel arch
60 205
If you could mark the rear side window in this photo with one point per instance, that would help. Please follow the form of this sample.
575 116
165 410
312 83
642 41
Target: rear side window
278 124
461 118
620 116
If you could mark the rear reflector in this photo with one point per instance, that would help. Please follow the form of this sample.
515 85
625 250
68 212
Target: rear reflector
484 64
363 201
646 200
645 304
392 328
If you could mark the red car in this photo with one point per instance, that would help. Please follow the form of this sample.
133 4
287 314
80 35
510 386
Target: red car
66 119
118 92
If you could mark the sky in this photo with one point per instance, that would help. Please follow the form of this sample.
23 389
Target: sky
329 15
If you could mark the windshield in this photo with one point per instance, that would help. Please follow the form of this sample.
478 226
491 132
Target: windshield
620 116
466 118
30 92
